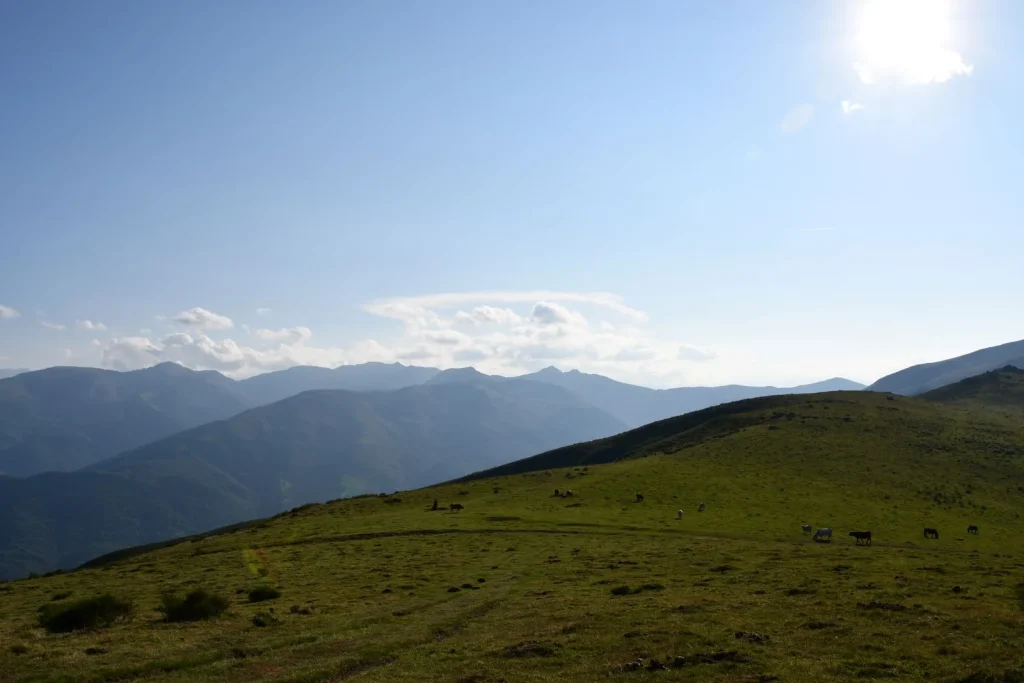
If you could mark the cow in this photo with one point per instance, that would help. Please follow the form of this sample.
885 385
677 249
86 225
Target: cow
862 536
639 497
973 529
679 514
702 507
821 535
434 506
558 493
931 533
806 528
455 507
567 494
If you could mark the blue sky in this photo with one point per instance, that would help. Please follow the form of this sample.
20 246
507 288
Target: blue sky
665 192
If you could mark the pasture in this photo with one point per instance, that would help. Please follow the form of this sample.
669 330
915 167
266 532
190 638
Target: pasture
521 585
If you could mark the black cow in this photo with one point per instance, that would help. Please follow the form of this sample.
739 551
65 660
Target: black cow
639 497
862 536
434 507
972 529
931 533
455 507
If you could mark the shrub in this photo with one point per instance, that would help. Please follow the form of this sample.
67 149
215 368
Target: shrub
19 649
98 612
263 619
195 606
261 593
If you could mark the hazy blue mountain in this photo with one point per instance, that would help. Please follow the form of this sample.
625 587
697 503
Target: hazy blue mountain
64 418
315 446
274 386
11 372
927 376
637 405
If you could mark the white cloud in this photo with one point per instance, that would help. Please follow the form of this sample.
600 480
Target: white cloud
692 353
6 312
68 353
796 118
203 319
389 307
145 330
91 325
482 315
52 326
262 311
850 107
290 335
550 313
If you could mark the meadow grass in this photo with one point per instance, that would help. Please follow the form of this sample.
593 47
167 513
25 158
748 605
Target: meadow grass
524 586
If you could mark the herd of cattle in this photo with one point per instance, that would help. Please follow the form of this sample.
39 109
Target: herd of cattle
824 535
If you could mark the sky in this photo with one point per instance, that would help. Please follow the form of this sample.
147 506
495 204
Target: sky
667 193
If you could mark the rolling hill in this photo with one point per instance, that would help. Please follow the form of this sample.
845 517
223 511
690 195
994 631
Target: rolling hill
11 372
927 376
523 585
637 405
999 390
64 418
311 447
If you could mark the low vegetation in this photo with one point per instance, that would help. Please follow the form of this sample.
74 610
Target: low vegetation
101 611
263 593
194 606
611 589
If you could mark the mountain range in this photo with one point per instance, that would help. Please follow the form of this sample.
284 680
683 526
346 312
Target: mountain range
927 376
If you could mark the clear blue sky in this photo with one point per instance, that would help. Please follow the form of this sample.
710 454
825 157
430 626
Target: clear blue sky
692 163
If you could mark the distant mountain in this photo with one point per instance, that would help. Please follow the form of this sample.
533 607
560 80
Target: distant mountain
316 446
64 418
463 376
927 376
637 405
11 372
1000 390
274 386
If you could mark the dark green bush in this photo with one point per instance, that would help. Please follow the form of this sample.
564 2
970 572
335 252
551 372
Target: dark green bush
196 606
98 612
261 593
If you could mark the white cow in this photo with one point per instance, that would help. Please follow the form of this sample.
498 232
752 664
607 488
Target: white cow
806 528
679 514
823 534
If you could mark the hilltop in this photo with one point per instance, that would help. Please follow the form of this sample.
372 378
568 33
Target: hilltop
523 585
1001 390
928 376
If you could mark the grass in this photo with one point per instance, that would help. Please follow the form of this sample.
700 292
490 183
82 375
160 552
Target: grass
196 605
367 581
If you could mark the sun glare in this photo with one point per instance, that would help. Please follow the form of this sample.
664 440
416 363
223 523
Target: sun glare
907 39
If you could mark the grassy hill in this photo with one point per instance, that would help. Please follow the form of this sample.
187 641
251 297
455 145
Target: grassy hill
525 586
315 446
62 419
999 390
928 376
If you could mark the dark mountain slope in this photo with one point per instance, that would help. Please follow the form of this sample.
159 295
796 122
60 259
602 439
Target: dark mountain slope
1001 390
927 376
275 386
65 418
637 405
11 372
315 446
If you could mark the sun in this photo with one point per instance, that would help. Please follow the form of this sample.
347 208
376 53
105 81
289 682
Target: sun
907 39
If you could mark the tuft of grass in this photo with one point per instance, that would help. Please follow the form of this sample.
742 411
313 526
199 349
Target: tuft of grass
196 606
101 611
264 619
263 593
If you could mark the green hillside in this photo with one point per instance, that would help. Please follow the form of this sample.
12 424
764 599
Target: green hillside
61 419
525 586
999 390
919 379
312 447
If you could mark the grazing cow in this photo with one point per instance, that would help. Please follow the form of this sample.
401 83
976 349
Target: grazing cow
455 507
568 493
862 536
931 533
973 529
679 514
821 535
702 507
639 497
806 528
434 507
558 493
